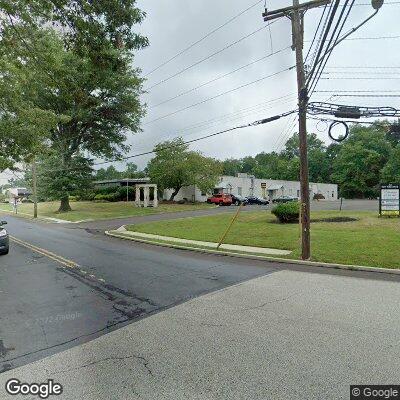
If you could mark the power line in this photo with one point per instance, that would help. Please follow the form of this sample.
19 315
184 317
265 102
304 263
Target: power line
365 95
255 123
202 38
358 91
316 31
230 117
331 44
218 95
206 58
330 19
219 77
383 78
362 67
375 37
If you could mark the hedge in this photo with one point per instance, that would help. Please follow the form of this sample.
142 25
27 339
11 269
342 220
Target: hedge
287 212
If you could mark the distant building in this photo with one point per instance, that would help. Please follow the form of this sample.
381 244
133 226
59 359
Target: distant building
120 182
247 185
18 193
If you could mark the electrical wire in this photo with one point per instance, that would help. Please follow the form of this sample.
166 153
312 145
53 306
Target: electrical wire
218 78
311 85
330 19
207 58
251 124
218 95
202 38
316 32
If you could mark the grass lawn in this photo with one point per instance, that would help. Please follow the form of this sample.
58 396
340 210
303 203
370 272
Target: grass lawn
90 210
370 240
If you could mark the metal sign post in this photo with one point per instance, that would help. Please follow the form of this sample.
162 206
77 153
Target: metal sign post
389 200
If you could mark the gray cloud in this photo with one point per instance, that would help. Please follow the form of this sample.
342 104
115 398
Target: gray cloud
173 25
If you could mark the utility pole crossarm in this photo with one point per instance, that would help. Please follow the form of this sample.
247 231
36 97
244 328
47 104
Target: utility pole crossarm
287 11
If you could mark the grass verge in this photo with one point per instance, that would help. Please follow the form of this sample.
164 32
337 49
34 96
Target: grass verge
369 240
84 210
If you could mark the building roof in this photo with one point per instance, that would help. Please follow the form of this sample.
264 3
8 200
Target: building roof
275 187
124 180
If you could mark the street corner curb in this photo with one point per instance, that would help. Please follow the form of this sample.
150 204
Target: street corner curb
363 268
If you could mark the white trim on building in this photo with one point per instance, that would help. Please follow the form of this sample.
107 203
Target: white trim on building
247 185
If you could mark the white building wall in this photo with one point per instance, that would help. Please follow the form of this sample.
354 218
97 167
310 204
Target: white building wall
245 185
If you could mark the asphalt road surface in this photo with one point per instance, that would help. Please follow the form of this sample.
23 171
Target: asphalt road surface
47 305
62 286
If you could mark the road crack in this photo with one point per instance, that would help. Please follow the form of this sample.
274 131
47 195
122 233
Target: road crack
271 302
143 360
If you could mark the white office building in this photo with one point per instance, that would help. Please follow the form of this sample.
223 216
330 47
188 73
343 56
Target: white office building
247 185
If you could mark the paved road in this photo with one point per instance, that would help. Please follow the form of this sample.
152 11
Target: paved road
347 205
300 316
47 306
286 335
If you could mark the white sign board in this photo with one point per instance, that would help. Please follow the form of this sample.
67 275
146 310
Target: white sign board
390 200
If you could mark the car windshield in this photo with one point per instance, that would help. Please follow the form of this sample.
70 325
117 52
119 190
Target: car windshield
130 269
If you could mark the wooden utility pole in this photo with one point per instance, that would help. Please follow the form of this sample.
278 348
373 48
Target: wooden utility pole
296 15
34 189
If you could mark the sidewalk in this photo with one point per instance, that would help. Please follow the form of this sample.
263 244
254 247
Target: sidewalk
288 335
197 243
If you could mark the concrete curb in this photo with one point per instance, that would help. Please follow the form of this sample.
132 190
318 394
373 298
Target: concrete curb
256 257
39 218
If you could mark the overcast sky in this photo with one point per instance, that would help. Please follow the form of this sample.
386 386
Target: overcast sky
173 25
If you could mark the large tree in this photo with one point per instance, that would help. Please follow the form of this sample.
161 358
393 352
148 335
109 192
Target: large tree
88 82
357 167
52 184
175 166
391 171
85 66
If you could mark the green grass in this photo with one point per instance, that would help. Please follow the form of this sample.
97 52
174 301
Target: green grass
90 210
370 241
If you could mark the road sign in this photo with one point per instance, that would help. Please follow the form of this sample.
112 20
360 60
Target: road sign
389 200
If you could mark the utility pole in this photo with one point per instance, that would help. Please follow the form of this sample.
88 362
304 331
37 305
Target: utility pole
296 15
34 189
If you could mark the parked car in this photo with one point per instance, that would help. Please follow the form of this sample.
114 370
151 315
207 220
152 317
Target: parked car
238 200
284 199
256 200
221 199
4 241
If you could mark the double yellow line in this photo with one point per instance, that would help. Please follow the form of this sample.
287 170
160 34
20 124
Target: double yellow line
55 257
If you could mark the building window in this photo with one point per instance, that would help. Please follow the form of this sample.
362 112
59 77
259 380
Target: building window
203 193
298 193
333 194
239 191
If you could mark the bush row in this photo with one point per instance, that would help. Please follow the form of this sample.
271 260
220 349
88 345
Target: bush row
105 194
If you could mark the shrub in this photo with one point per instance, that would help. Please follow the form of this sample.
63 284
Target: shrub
107 197
287 212
318 196
122 193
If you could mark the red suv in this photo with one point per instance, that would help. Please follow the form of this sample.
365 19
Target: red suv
221 199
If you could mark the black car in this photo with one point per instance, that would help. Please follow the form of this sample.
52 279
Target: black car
4 241
238 200
284 199
256 200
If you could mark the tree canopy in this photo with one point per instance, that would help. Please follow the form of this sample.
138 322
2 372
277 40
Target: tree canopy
175 166
358 165
72 65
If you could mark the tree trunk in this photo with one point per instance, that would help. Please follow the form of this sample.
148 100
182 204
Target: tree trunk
64 205
174 193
